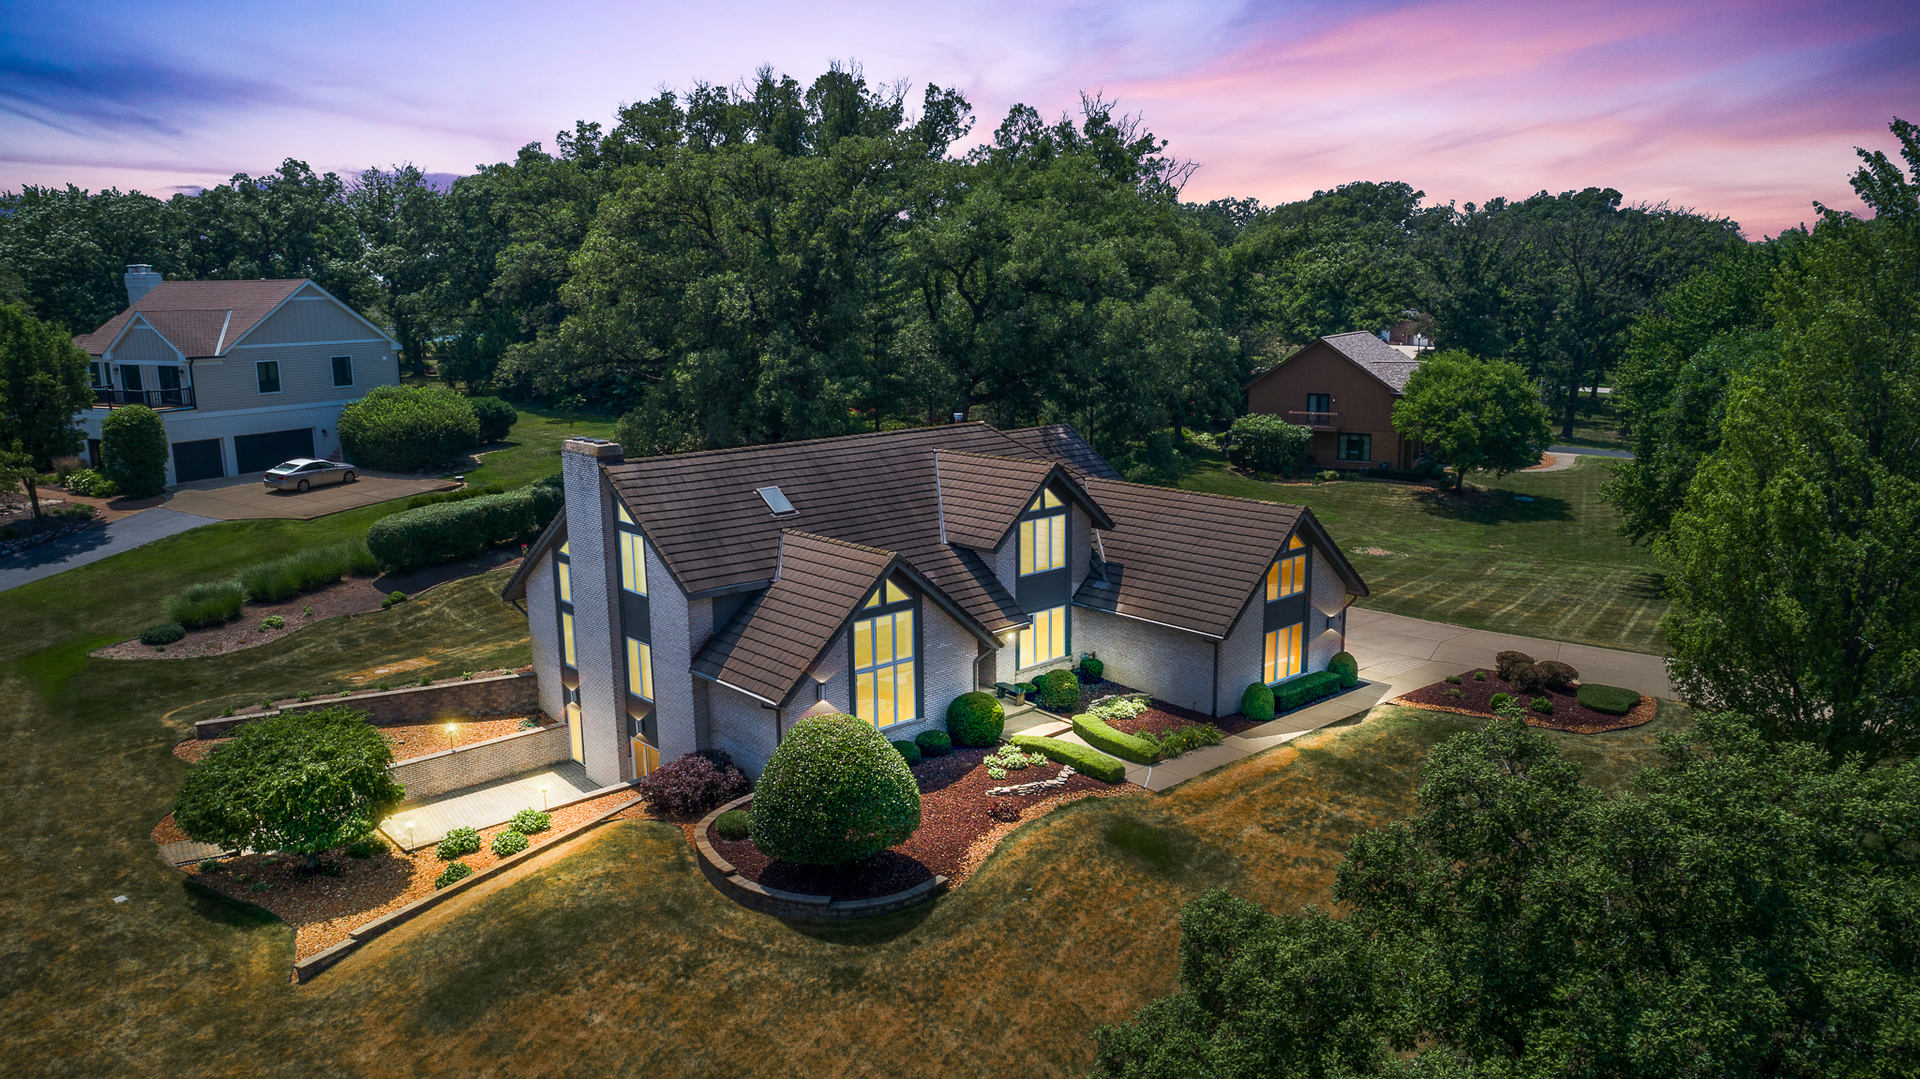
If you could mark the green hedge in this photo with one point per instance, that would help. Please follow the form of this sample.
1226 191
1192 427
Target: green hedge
1347 667
1263 443
1307 687
450 531
1101 736
1086 761
1612 700
403 428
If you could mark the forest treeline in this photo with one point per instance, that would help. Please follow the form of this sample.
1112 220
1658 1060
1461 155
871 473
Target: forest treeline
775 260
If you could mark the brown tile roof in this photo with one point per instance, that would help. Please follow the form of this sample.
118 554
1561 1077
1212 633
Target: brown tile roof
1383 361
703 513
767 647
200 318
975 510
1060 442
1191 560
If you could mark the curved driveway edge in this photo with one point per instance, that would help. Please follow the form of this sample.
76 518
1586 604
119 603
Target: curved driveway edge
95 544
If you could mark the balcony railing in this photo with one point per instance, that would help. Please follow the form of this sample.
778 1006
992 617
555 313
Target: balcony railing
106 397
1319 421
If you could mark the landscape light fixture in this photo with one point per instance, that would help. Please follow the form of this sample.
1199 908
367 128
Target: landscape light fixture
543 797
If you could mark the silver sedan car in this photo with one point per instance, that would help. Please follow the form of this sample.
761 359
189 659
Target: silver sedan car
302 473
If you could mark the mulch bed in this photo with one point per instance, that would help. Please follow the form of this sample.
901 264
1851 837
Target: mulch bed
353 595
409 740
324 906
1161 718
957 830
1568 713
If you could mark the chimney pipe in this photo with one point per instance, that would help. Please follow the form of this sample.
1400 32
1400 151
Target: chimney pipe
140 280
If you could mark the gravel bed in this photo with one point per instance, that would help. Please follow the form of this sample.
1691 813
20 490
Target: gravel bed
1568 713
323 907
350 596
955 813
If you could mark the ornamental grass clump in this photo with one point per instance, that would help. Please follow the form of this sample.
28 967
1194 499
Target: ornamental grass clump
209 603
304 571
834 791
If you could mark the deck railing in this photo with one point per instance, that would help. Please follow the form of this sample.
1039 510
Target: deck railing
107 397
1316 420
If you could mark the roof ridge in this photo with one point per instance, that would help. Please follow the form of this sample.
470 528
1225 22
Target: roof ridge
999 456
1200 494
841 542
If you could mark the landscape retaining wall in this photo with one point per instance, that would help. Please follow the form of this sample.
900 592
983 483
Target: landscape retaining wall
783 904
495 758
498 695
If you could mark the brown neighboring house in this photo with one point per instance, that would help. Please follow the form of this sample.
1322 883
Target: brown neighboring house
1343 387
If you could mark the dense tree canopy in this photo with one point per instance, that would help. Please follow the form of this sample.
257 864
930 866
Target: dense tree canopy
43 383
1479 415
1748 909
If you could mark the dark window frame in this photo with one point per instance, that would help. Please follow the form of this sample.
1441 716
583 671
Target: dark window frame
337 361
861 614
1366 453
261 374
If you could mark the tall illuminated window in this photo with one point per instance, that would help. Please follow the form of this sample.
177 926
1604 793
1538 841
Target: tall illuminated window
1288 576
565 572
885 690
639 668
566 638
1043 535
1045 640
1284 654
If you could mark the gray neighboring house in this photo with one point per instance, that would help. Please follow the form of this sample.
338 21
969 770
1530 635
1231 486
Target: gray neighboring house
244 374
710 600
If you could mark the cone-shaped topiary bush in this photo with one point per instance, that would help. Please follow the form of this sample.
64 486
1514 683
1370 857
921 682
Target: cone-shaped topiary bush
975 719
835 791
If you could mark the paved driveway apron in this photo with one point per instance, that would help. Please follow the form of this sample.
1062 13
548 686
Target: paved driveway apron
236 498
94 544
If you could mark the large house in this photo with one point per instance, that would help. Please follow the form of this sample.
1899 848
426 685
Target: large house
710 600
245 374
1343 387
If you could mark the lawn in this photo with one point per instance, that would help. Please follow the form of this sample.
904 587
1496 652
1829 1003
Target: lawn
1554 567
532 448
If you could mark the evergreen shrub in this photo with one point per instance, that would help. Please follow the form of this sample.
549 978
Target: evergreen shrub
133 447
909 751
1295 692
734 824
1263 443
508 843
164 633
933 743
975 719
834 791
1347 667
449 531
1612 700
1257 702
496 417
403 428
1059 690
1082 759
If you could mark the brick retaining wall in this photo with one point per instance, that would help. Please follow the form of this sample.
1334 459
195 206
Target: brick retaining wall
495 758
499 695
784 904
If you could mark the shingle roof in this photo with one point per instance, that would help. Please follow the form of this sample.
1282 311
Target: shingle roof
768 646
1386 363
1060 442
703 514
1190 560
200 318
975 510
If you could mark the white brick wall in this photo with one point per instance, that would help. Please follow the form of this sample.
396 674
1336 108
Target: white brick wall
1174 666
671 613
949 652
599 648
1242 654
742 726
543 629
1327 595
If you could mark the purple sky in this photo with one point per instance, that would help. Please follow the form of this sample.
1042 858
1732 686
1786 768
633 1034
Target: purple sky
1746 109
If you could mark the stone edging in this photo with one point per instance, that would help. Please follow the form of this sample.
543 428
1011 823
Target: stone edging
219 726
305 969
786 904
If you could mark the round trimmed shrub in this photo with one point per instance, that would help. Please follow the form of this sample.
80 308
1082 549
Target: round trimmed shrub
834 791
733 824
453 874
1612 700
133 448
909 751
458 843
1527 678
529 821
1560 676
1543 705
933 743
1059 690
975 719
1257 702
1499 700
164 633
1505 662
496 417
402 428
1347 667
1094 668
508 842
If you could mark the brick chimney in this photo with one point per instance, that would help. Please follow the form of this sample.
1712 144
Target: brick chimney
140 280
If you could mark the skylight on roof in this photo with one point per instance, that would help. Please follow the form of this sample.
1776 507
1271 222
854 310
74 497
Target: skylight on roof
776 501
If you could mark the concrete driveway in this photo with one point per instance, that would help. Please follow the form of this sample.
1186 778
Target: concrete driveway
235 498
1407 653
94 544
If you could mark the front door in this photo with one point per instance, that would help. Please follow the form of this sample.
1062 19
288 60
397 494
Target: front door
574 732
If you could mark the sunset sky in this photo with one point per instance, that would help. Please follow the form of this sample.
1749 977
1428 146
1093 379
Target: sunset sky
1750 110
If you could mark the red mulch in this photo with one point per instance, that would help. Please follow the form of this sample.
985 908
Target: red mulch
954 817
1568 713
1162 717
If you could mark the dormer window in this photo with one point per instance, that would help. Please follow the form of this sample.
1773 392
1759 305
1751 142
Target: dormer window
1043 534
1288 575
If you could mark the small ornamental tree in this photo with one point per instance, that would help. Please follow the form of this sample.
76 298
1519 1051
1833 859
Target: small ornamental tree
835 791
402 428
1263 443
1482 415
133 442
305 782
43 384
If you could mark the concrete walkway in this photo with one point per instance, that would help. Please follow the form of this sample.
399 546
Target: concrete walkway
94 544
1397 654
420 824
